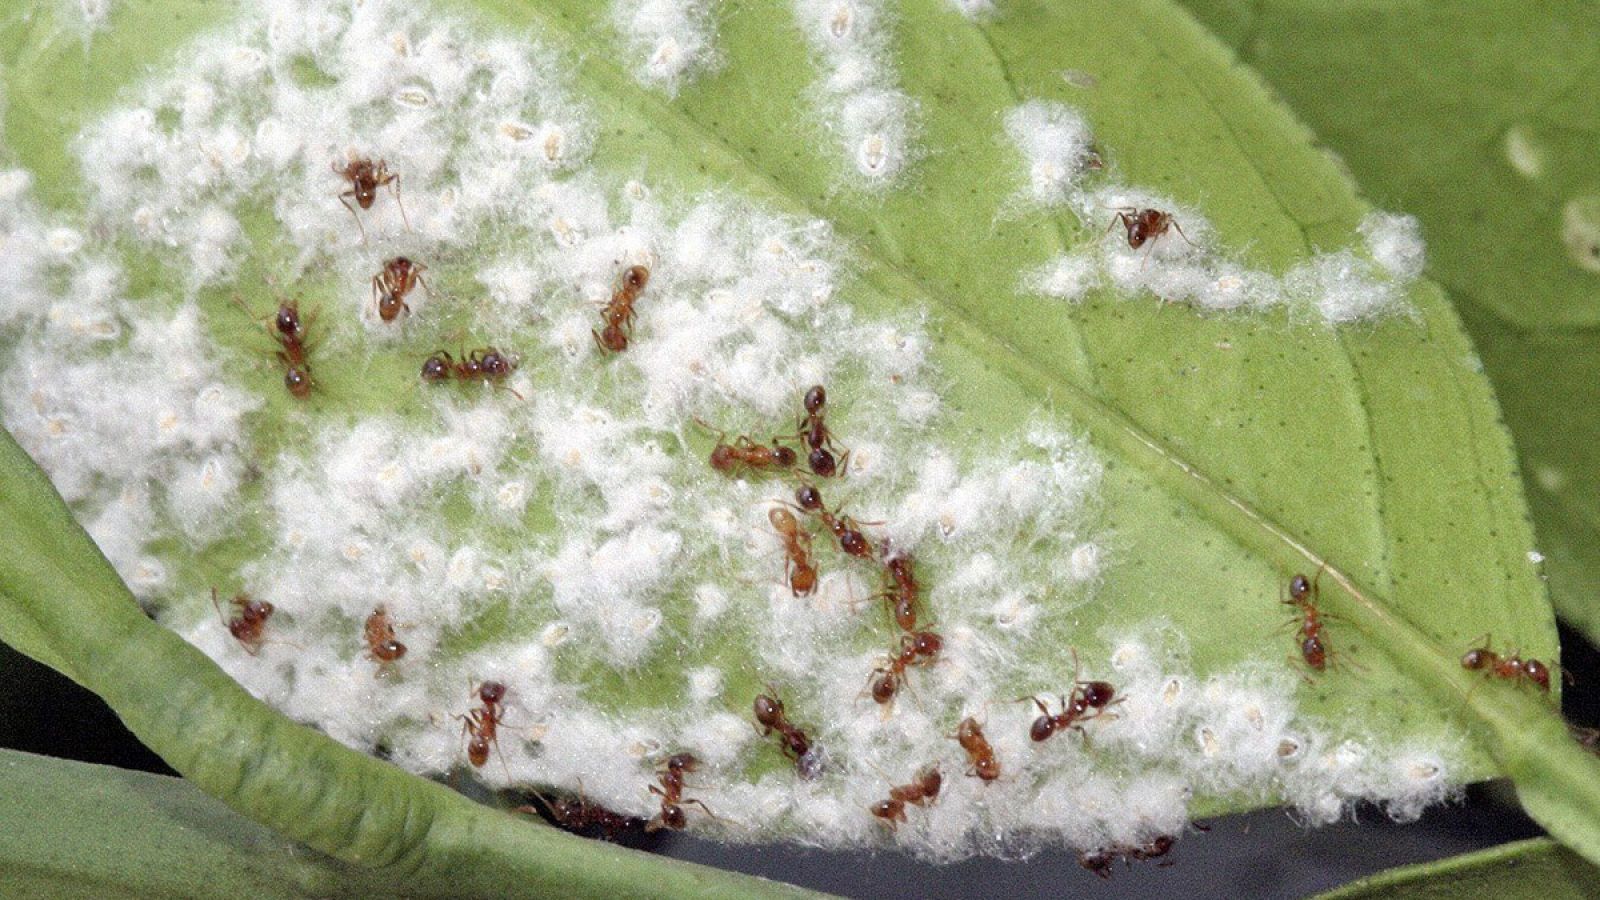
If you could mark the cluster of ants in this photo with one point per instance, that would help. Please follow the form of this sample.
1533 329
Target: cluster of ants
917 645
400 275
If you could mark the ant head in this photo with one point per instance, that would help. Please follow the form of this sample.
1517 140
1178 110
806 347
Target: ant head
1475 659
988 768
1097 694
808 497
635 278
436 367
927 643
498 364
478 750
613 339
816 398
930 780
781 519
784 455
1299 588
768 709
287 320
298 380
1538 673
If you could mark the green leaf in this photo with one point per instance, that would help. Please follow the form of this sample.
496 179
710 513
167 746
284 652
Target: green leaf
1481 119
78 830
1239 449
1536 868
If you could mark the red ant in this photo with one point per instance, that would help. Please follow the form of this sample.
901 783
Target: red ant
379 634
916 649
671 793
901 596
923 790
582 816
851 540
1510 668
793 741
390 286
618 314
481 725
745 453
815 434
800 568
1145 225
984 762
1088 700
248 625
1100 861
365 178
1303 595
487 364
289 331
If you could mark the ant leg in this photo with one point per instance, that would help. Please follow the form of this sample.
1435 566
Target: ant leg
702 806
352 193
394 185
1192 244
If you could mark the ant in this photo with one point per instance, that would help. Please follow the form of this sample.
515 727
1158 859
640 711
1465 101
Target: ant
365 177
582 816
747 454
901 597
289 331
815 434
381 643
1510 668
969 734
923 790
618 313
488 364
390 286
851 540
1144 225
1100 861
248 625
916 649
671 793
1303 595
800 569
793 741
481 725
1088 700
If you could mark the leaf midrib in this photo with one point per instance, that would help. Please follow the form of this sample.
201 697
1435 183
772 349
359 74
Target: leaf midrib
1232 514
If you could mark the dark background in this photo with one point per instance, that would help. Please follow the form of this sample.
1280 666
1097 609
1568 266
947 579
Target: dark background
1262 854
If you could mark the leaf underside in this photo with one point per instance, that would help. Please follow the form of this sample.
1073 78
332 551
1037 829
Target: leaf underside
1377 447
